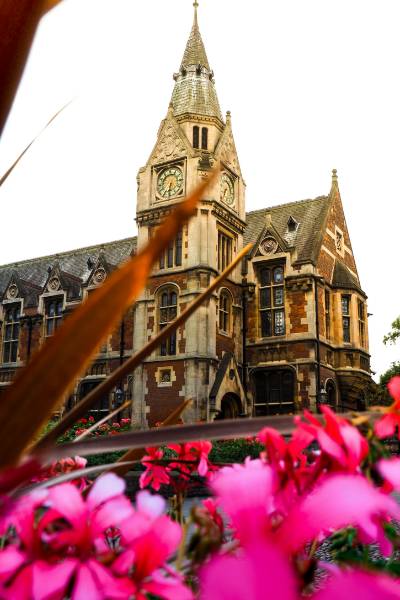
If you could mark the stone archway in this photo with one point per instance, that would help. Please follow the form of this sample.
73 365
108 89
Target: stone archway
231 407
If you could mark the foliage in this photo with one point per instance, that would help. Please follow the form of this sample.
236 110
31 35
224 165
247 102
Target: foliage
234 451
394 334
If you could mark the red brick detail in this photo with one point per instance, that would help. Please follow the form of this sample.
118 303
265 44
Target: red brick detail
297 311
163 400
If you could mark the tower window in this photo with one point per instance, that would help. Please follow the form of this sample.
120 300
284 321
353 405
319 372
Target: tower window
195 136
11 333
204 138
53 315
272 309
172 256
168 305
327 315
361 323
346 318
224 250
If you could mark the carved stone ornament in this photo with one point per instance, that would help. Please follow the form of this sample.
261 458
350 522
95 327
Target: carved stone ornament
170 145
99 275
54 284
12 292
268 246
228 153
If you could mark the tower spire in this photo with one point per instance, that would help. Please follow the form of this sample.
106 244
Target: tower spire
196 5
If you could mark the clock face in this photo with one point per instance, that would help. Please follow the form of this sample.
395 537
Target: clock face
227 189
170 182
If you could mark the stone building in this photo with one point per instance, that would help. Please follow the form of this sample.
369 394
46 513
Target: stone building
287 330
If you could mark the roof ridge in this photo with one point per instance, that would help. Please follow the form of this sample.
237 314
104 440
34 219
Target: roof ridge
259 210
67 252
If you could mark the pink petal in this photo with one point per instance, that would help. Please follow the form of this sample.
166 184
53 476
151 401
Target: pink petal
154 547
341 500
245 493
21 588
385 427
355 584
68 502
51 581
394 387
151 505
112 513
86 587
112 587
105 487
259 572
167 588
11 560
390 471
203 467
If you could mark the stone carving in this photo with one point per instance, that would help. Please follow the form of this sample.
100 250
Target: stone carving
99 275
228 153
12 292
170 145
54 284
269 245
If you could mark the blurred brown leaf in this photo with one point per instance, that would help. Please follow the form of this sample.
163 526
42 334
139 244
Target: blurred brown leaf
45 381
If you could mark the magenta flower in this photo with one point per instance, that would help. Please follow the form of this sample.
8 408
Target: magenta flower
356 584
154 475
390 471
394 388
259 572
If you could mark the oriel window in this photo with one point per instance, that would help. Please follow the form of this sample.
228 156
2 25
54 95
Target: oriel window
53 316
272 301
346 321
168 306
11 333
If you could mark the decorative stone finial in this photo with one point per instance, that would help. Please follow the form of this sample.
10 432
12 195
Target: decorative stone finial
196 5
334 176
228 116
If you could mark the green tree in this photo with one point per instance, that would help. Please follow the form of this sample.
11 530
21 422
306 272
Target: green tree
394 334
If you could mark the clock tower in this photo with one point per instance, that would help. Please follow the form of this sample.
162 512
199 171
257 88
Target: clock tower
192 139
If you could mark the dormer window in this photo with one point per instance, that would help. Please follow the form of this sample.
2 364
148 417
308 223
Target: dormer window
11 333
204 138
53 315
292 225
195 136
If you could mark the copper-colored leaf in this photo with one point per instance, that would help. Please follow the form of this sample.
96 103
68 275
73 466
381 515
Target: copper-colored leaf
131 363
228 429
45 381
18 22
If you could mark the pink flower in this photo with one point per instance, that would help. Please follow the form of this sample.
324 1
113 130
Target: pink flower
246 494
91 419
257 573
154 475
339 501
338 439
394 388
390 471
356 584
116 425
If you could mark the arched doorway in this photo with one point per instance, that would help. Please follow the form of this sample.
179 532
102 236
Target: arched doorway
274 391
331 398
230 407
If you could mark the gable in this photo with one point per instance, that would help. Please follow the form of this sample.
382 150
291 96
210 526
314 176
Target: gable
226 150
171 142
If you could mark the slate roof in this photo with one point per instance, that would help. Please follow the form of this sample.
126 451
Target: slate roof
74 266
194 91
310 216
342 278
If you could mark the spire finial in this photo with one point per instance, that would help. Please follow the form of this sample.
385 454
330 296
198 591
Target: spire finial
196 5
334 176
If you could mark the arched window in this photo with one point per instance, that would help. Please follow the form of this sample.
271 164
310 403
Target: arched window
195 136
53 315
224 312
204 138
167 311
11 333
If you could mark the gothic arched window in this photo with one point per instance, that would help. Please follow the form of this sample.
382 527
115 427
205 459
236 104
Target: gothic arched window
11 333
224 312
204 138
195 136
167 311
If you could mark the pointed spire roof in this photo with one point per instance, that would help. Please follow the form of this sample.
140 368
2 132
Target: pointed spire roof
194 90
195 52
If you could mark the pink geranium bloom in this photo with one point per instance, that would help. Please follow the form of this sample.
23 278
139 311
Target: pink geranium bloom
394 388
259 572
196 456
338 439
154 475
339 501
386 425
246 494
390 471
356 584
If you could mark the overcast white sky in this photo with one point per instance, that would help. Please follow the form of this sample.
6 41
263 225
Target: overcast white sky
311 85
